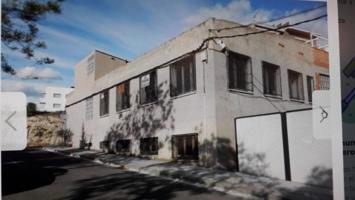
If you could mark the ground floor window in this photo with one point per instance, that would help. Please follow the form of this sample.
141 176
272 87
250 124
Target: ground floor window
149 146
123 146
185 146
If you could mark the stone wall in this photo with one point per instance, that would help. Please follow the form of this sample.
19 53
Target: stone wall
46 129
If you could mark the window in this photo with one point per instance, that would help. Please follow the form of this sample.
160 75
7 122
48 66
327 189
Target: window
295 84
239 72
89 108
185 146
271 79
57 95
123 146
104 102
56 105
148 87
182 76
324 82
122 96
310 88
149 146
90 64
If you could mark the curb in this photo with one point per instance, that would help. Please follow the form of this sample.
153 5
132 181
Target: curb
147 172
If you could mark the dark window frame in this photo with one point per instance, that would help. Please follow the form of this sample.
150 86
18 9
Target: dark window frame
152 86
300 88
277 70
234 80
149 146
310 87
123 146
178 71
123 99
104 102
178 147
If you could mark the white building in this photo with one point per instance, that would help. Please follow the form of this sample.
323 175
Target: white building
181 99
54 99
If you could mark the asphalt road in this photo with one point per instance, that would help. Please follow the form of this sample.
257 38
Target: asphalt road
37 174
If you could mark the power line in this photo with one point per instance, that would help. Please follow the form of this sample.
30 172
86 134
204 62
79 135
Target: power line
258 32
271 20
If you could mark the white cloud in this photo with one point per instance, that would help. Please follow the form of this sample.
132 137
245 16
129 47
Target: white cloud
30 72
33 89
237 10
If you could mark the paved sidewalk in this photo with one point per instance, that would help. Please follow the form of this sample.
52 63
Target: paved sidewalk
234 183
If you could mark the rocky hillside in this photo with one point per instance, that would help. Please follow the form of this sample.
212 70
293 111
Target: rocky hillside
45 129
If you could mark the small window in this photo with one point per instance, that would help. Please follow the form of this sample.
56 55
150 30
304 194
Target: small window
148 87
295 83
90 64
271 79
122 96
104 102
56 105
239 72
57 95
182 76
89 108
149 146
185 146
310 88
324 82
123 146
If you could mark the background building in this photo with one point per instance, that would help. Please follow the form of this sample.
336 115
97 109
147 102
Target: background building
54 99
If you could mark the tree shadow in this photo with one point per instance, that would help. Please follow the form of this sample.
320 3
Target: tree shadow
130 185
143 120
27 170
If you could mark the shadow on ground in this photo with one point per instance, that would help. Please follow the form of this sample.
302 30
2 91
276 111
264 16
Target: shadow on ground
30 169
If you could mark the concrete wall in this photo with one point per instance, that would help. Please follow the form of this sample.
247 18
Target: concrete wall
211 110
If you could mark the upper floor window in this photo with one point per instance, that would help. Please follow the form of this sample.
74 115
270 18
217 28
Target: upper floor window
57 95
324 82
271 79
239 72
104 102
90 64
56 105
89 108
122 96
310 88
182 76
295 83
148 87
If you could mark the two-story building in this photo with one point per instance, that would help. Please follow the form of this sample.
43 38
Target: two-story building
179 100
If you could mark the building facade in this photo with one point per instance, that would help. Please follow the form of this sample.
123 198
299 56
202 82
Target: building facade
180 100
54 99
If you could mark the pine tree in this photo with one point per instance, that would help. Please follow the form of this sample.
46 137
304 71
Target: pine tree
19 28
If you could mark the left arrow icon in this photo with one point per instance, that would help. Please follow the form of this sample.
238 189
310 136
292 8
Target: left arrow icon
8 122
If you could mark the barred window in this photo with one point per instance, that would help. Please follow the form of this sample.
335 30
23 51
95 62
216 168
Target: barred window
104 102
271 79
239 72
324 82
295 83
148 87
89 108
182 76
149 146
123 146
122 96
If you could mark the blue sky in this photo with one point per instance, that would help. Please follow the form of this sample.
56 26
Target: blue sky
127 29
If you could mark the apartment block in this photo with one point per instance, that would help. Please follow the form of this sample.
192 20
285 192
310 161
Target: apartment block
179 101
54 99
